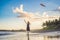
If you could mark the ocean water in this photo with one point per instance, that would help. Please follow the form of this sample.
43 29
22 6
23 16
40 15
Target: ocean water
23 36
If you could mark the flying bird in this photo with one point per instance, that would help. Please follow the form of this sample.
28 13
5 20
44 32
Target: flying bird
42 5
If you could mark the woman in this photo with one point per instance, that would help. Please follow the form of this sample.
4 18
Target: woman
28 26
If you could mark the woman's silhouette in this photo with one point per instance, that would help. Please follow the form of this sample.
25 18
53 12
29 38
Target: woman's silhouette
28 26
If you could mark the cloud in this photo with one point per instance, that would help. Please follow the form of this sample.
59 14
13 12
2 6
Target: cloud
55 12
24 14
45 14
21 7
57 9
19 10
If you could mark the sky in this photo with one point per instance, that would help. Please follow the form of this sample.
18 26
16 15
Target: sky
9 19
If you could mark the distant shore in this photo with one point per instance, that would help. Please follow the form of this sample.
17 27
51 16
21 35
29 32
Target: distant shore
13 30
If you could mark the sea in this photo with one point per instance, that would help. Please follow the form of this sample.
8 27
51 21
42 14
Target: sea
32 36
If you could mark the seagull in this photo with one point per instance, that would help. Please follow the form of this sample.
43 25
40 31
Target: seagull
42 5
